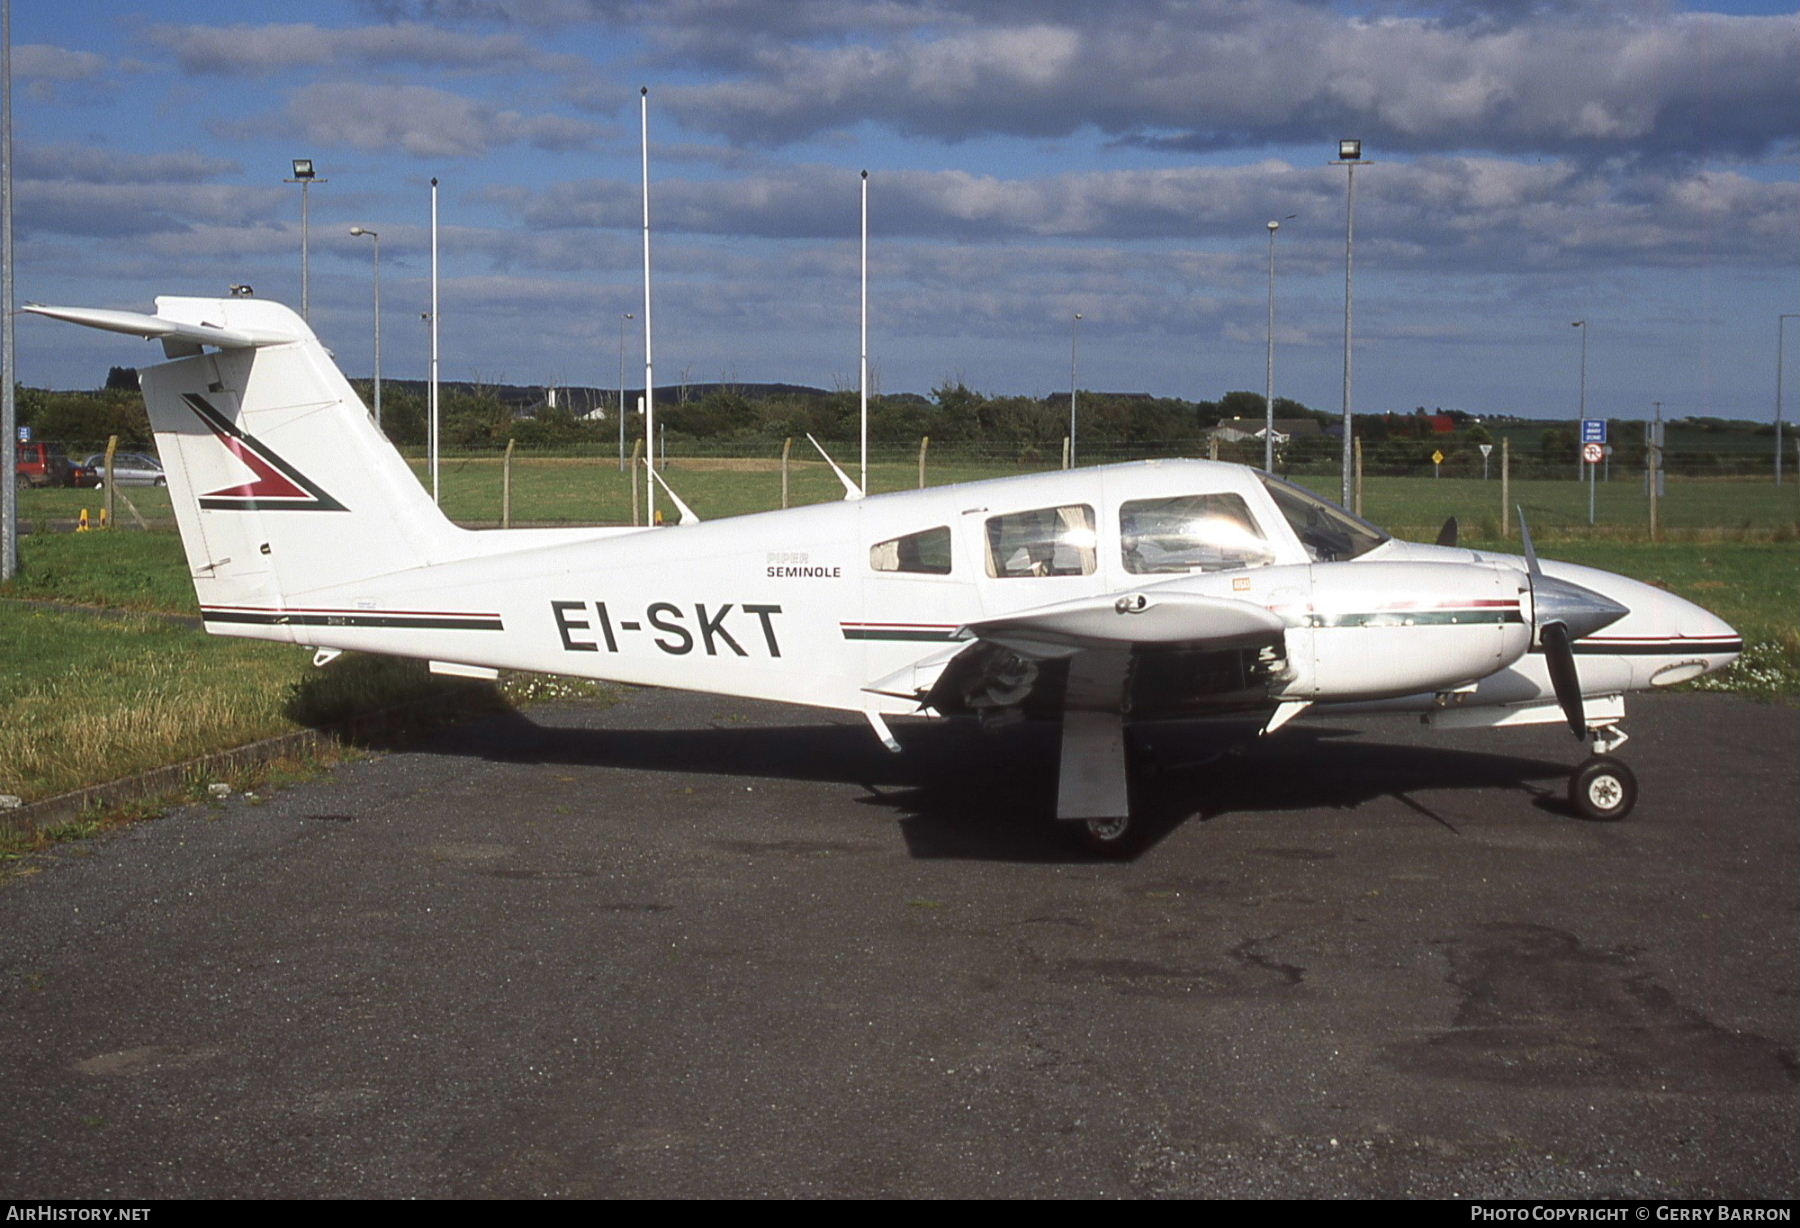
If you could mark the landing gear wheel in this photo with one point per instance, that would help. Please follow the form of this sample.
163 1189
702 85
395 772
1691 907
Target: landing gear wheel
1603 788
1110 837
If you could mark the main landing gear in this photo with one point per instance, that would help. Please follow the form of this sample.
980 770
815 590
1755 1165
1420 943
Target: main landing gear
1601 787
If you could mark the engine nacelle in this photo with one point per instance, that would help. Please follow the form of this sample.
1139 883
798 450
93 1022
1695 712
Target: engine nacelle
1385 629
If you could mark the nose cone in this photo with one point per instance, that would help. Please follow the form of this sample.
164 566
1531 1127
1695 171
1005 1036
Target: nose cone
1582 610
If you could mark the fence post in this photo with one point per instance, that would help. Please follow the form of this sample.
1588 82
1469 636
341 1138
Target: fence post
1212 448
1505 486
1066 442
637 454
924 443
506 486
106 514
1356 445
786 448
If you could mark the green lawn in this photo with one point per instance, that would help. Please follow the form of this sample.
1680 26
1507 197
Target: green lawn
592 490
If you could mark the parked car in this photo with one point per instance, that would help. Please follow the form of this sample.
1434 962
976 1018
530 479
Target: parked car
44 464
129 469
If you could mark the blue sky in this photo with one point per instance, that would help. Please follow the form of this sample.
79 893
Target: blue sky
1636 165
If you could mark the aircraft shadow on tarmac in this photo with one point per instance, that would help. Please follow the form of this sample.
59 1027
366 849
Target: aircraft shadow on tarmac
960 793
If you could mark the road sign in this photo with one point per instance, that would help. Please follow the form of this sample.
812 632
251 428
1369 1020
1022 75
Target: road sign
1437 457
1593 453
24 434
1593 430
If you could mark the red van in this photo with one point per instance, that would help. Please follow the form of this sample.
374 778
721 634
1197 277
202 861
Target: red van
45 464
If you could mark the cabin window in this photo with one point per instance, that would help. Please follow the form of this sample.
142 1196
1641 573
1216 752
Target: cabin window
924 553
1187 533
1329 533
1047 541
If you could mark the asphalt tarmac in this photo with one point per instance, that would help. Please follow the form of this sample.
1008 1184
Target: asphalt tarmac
689 946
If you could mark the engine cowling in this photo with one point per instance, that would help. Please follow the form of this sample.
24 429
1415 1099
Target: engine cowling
1374 630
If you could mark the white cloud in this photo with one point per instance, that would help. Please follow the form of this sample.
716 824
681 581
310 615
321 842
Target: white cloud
419 120
250 50
38 61
1205 77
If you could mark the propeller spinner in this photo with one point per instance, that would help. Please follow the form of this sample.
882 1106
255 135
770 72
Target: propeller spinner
1561 613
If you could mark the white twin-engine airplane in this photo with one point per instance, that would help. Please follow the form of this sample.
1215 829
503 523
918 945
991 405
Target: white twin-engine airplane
1104 597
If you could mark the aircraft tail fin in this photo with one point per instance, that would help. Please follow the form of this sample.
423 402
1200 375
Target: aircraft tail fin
281 484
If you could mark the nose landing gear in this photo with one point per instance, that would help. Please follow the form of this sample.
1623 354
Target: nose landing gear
1601 787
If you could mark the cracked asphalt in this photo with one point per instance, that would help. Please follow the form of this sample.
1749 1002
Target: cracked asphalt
690 946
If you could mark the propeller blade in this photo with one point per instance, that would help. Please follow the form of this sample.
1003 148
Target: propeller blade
1447 535
1531 563
1561 612
1559 654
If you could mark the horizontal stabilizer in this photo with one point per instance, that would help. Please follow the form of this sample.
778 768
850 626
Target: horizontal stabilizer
161 328
1135 620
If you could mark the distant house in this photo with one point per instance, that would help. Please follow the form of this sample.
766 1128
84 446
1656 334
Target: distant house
1240 430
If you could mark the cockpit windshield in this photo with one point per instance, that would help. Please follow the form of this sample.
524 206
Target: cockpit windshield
1329 533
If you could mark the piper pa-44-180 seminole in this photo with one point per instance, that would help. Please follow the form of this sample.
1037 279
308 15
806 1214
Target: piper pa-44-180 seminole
1103 597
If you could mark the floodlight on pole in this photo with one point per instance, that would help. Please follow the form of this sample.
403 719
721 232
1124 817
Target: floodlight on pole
1269 382
305 176
359 231
1349 157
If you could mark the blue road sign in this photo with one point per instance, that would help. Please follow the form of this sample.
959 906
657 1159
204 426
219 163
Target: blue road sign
1593 430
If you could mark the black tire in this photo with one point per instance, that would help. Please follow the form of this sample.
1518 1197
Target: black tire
160 482
1110 838
1603 789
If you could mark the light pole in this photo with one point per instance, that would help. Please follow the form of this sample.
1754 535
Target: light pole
626 316
9 410
1780 337
305 177
360 231
1074 330
1269 382
1581 404
1349 156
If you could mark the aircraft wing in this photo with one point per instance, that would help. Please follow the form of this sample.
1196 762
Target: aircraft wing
1169 620
1093 653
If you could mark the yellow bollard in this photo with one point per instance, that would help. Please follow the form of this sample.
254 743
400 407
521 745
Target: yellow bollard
105 520
82 526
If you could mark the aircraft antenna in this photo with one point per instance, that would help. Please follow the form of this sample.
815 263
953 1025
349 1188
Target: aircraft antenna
851 490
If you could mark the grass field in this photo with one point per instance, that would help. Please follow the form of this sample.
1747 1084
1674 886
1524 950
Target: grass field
589 490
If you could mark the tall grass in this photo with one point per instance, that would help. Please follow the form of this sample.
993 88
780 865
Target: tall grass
86 698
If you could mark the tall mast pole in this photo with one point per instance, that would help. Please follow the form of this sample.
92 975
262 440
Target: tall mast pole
9 410
649 361
434 341
863 377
